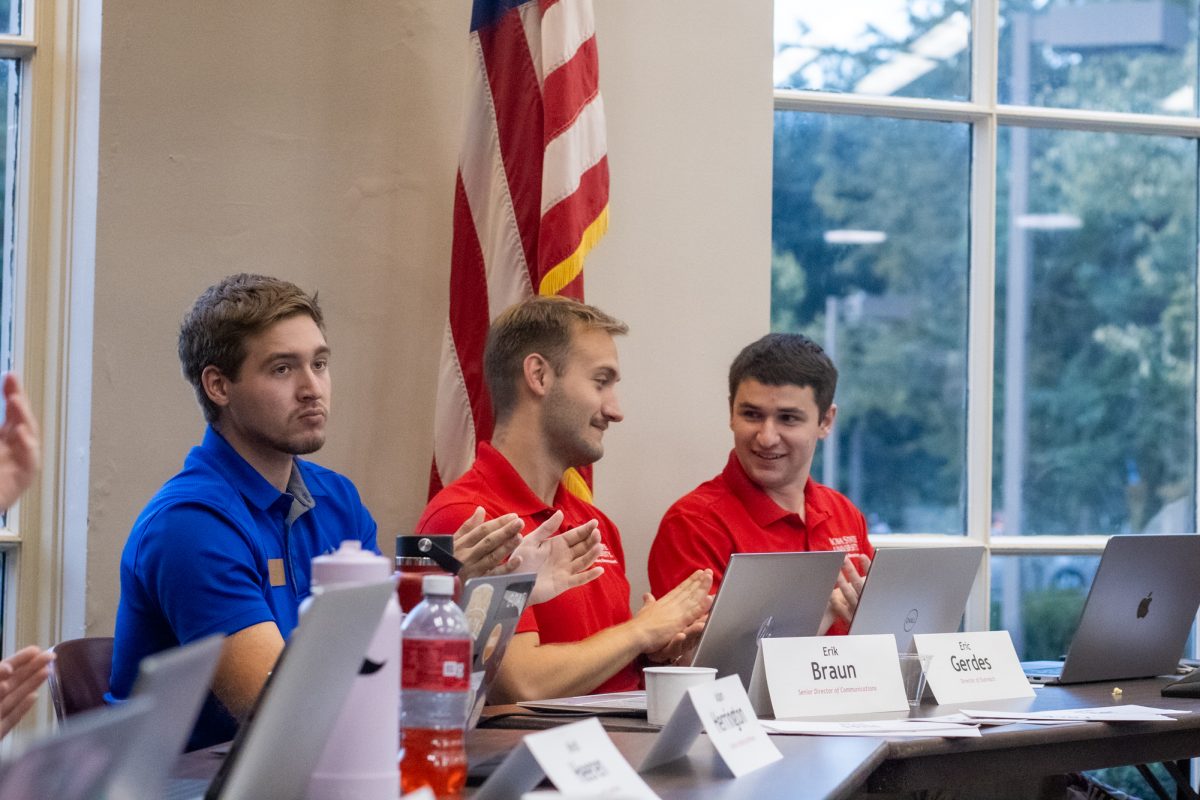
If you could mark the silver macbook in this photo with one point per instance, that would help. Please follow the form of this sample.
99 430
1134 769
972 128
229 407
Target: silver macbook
492 606
177 682
765 595
762 595
911 590
1138 613
80 760
279 745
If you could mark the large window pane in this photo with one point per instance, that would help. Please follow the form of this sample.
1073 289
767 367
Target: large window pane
10 16
1095 394
1038 600
877 47
1128 56
870 259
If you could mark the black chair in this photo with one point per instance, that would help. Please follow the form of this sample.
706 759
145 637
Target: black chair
79 674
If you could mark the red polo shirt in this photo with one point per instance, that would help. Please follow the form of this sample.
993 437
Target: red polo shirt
731 514
575 614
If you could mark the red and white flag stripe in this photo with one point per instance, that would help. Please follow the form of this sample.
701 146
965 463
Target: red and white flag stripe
531 197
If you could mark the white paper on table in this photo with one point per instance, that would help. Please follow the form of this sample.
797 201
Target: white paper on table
1131 713
886 728
963 718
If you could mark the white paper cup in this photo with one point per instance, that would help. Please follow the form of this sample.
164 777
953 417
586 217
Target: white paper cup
665 687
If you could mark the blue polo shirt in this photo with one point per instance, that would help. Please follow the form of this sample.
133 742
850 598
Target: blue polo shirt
219 549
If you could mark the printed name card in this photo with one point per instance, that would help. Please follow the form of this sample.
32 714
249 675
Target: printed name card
968 667
579 759
816 676
721 709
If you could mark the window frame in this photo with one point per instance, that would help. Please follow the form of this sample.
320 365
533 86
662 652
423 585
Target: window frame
985 116
45 535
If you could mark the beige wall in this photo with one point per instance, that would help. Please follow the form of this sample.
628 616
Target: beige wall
318 142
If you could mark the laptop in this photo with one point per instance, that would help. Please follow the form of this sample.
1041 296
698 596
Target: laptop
1138 612
176 681
763 596
911 590
492 606
80 760
280 743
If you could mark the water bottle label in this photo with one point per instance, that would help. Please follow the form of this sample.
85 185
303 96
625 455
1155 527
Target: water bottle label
436 665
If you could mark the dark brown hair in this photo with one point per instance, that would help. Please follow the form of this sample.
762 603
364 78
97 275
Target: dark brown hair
215 330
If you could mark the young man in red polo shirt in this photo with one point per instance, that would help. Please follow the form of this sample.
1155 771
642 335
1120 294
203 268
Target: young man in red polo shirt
780 405
551 368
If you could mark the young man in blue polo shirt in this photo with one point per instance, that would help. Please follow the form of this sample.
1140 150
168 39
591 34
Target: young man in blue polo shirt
225 546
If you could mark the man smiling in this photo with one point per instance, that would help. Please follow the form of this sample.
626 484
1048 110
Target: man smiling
780 406
551 369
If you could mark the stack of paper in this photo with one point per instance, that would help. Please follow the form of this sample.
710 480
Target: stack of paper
884 728
1122 713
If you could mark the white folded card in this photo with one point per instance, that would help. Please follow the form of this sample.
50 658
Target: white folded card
819 676
721 709
579 759
972 667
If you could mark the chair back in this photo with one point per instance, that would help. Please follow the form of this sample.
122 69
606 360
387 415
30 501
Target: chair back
79 674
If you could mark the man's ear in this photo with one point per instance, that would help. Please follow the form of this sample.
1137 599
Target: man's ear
537 373
216 385
827 421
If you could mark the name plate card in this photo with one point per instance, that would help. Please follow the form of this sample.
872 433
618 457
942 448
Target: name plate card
722 710
579 759
969 667
817 676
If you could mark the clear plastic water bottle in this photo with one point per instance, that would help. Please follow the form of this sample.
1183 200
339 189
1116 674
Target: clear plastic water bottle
435 692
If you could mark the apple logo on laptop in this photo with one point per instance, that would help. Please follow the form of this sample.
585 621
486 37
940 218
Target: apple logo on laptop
1144 606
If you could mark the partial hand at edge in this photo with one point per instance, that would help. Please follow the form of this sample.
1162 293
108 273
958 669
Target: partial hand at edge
21 675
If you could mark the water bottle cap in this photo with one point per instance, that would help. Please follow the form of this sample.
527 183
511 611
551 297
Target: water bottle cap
438 584
350 564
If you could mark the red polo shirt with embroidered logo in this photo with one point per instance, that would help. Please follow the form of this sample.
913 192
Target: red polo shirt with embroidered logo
731 514
576 614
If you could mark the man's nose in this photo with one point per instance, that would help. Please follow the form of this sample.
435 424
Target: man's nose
612 410
767 434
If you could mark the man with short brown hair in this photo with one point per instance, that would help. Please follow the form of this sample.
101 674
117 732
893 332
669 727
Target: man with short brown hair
765 500
551 369
226 545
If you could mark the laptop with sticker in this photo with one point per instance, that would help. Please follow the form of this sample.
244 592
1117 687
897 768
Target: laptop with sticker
492 605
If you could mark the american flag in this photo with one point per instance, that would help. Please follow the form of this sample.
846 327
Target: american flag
531 198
